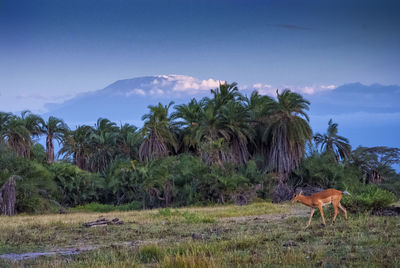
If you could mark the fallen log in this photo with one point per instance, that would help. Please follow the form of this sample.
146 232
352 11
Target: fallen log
103 222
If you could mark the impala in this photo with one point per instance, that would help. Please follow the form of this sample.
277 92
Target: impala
318 200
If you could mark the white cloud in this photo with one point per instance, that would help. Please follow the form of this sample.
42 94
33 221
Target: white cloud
263 89
307 90
330 87
191 84
314 89
267 89
136 91
156 91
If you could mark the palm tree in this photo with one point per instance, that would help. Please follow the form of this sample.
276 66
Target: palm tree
331 142
15 134
225 93
17 131
217 128
103 144
159 132
191 115
223 130
287 132
33 123
259 108
129 141
54 128
212 136
76 145
235 121
4 119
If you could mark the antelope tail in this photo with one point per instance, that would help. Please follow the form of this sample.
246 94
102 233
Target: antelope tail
346 192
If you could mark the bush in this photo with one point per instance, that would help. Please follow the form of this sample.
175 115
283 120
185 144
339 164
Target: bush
392 185
368 197
36 190
320 170
38 153
77 186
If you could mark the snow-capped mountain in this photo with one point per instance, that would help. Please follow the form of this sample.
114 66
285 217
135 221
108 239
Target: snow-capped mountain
127 100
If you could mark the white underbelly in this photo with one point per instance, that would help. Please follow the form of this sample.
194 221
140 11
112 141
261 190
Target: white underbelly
326 203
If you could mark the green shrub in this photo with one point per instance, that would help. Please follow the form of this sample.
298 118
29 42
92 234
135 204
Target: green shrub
368 197
77 186
36 189
321 170
392 185
38 153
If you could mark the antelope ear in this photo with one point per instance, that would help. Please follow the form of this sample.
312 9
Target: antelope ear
301 192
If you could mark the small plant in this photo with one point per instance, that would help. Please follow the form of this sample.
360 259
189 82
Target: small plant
167 212
188 217
194 218
150 253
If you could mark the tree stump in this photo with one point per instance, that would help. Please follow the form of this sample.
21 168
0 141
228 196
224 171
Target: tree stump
8 197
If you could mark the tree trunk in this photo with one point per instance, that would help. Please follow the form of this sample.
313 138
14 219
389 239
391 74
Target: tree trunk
49 149
8 197
168 193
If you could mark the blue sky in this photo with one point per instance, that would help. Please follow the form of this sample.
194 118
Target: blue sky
57 48
52 50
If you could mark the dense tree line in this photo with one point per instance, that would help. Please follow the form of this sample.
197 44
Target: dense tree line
227 143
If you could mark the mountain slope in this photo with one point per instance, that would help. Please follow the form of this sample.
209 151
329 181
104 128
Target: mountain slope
127 100
367 115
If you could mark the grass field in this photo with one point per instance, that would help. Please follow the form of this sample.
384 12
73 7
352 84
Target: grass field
260 234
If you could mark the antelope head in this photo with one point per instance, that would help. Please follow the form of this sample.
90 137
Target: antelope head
296 197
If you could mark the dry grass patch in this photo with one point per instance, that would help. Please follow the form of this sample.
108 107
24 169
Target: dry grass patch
168 240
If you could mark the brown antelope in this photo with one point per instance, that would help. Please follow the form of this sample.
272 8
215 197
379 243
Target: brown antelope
318 200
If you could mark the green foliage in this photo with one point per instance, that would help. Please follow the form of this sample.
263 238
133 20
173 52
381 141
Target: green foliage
158 129
323 171
38 153
77 186
36 190
97 207
367 197
226 148
332 143
392 185
375 163
287 132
